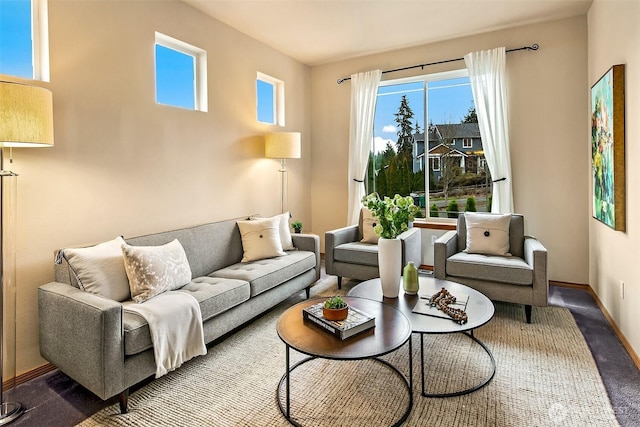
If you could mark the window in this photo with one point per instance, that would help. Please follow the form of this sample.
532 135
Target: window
455 178
24 40
269 100
181 74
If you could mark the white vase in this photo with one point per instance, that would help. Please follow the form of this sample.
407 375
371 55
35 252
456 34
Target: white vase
390 266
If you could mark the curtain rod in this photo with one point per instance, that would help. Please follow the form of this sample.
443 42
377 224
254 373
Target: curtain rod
532 47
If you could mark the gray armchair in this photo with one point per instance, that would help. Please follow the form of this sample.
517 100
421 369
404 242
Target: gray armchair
521 278
346 256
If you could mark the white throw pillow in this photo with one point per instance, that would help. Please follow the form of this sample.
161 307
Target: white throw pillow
369 221
260 239
100 269
153 270
487 234
284 229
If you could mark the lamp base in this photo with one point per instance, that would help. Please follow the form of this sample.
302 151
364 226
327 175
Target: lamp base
10 411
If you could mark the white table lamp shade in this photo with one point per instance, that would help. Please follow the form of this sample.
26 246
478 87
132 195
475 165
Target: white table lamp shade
26 116
282 145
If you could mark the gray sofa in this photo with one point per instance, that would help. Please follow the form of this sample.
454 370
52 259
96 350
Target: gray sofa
346 256
106 350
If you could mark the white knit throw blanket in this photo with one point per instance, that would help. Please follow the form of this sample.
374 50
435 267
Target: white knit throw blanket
175 323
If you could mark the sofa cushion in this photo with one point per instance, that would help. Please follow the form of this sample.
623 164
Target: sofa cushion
260 239
357 253
487 233
100 269
284 229
215 295
512 270
265 274
153 270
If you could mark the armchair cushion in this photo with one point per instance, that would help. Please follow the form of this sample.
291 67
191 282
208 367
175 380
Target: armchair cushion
357 253
510 270
487 233
368 223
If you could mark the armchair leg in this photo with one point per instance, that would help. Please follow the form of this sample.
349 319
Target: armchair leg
308 291
124 401
527 312
339 282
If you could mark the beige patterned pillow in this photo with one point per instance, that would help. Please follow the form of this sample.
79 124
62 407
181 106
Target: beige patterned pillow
487 234
153 270
260 239
99 269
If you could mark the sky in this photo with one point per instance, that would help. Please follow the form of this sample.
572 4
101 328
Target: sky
15 38
448 102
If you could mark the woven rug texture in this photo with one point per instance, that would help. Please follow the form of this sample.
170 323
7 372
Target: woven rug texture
545 376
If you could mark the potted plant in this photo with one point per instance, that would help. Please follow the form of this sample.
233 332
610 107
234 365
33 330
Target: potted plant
393 216
297 226
335 308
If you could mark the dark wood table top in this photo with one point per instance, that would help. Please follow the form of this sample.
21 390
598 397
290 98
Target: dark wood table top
479 309
391 331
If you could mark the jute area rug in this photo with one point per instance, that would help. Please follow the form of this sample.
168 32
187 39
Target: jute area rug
545 376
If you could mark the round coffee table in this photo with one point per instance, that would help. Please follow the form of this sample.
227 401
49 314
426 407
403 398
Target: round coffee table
392 331
479 309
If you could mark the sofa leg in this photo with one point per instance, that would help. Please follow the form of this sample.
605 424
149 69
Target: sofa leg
308 291
527 312
124 401
339 282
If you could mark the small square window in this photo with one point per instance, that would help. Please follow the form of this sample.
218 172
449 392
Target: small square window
180 74
269 100
24 41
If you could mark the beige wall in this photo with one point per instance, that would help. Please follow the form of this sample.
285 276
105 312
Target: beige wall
547 99
124 165
614 37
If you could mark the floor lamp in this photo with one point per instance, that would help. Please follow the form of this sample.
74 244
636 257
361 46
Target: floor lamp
283 146
26 120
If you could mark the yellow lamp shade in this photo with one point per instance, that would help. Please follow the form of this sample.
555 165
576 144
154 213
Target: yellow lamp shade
26 116
282 145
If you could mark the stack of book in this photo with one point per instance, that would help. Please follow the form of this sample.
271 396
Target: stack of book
357 321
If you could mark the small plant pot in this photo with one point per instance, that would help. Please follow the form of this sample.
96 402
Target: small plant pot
335 313
297 230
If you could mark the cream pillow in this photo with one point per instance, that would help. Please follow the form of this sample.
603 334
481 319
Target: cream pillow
368 223
100 270
153 270
487 234
284 229
260 239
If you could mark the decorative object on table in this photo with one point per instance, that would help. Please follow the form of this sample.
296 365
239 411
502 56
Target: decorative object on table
410 279
356 322
335 308
26 120
297 226
282 145
607 148
393 218
444 305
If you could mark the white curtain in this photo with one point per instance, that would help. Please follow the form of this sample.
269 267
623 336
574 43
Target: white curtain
487 76
364 91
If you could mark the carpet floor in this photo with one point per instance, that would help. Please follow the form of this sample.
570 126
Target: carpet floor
545 376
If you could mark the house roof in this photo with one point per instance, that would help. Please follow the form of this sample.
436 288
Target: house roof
455 130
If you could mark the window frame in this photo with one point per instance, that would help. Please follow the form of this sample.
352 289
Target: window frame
278 99
467 143
201 102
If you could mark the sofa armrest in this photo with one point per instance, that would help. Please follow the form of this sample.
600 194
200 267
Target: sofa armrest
336 238
444 247
82 334
411 246
535 254
311 243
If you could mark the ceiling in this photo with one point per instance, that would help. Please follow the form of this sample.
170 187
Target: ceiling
321 31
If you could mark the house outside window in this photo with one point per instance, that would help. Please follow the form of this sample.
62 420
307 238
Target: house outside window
24 39
454 179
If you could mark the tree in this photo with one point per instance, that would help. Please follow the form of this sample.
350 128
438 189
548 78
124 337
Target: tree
433 211
404 146
471 116
471 204
452 209
450 160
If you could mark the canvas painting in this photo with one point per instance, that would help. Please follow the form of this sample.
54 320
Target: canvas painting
607 148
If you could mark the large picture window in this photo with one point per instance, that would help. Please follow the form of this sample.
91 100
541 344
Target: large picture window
427 145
